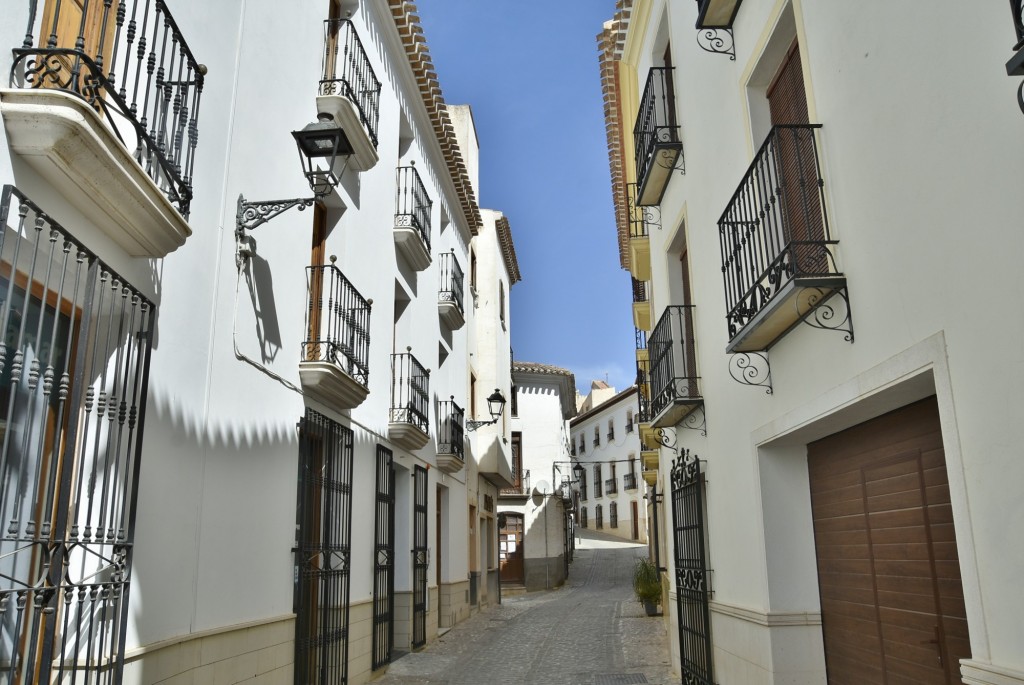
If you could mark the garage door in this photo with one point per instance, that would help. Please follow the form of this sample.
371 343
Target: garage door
891 597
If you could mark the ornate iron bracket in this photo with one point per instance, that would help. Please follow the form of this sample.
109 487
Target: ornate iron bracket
250 215
696 421
718 41
823 313
678 164
649 214
751 368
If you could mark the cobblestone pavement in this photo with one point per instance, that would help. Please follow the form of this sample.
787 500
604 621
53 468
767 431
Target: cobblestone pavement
589 632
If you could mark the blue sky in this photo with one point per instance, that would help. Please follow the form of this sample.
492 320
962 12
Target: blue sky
529 70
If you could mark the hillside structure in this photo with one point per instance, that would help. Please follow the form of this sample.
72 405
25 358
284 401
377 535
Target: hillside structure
829 405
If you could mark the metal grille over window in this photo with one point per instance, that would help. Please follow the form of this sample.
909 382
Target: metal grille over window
691 574
337 322
324 552
130 62
410 386
598 517
420 559
347 71
384 561
74 369
412 204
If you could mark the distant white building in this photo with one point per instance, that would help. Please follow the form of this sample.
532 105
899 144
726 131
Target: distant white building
536 536
605 439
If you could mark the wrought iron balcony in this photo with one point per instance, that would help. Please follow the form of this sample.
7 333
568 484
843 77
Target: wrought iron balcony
410 389
451 453
717 14
674 387
412 218
108 98
643 386
1017 8
350 90
611 486
450 298
656 136
641 305
334 366
629 481
521 485
777 258
639 243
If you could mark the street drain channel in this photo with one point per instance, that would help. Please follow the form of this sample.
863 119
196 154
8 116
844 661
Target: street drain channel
619 678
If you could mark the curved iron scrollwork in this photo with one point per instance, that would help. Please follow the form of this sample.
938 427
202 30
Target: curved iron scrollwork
641 217
718 41
249 215
818 309
666 437
685 469
751 368
1020 96
697 421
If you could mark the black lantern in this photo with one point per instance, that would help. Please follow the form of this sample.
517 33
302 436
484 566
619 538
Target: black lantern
322 139
495 405
577 470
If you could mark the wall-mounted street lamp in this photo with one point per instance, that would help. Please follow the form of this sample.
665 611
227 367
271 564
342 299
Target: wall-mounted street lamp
322 139
495 405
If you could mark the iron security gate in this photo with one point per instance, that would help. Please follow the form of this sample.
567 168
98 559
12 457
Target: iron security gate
384 561
74 369
691 570
325 529
420 559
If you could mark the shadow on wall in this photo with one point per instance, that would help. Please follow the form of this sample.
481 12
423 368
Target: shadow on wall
260 281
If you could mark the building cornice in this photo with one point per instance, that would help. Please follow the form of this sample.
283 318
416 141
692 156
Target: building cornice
408 24
508 250
563 378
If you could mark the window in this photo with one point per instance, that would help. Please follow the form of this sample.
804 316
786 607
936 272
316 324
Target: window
501 302
515 400
472 396
611 430
629 420
84 333
598 517
583 488
583 517
583 444
597 436
597 480
472 269
613 514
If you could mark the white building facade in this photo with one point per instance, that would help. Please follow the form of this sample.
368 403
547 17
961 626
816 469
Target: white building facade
535 539
235 439
605 440
829 406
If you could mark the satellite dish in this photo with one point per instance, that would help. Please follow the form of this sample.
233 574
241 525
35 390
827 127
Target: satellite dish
542 488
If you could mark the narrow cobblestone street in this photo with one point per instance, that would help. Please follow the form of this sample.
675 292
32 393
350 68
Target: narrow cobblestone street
589 632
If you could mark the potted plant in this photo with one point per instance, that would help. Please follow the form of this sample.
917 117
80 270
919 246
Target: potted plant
647 585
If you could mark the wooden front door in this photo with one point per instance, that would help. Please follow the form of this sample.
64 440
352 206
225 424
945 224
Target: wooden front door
510 549
636 520
891 597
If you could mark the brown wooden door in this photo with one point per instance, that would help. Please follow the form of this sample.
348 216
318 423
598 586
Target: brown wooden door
795 163
889 576
510 549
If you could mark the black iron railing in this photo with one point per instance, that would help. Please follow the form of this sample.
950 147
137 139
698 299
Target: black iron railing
451 431
656 121
641 338
643 390
629 481
613 515
598 517
775 227
129 61
583 487
412 205
347 71
452 282
597 483
611 486
673 362
583 517
520 484
410 388
1017 8
74 378
639 290
636 214
337 322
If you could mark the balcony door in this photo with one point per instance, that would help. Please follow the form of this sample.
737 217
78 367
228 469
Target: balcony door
71 19
795 164
510 549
